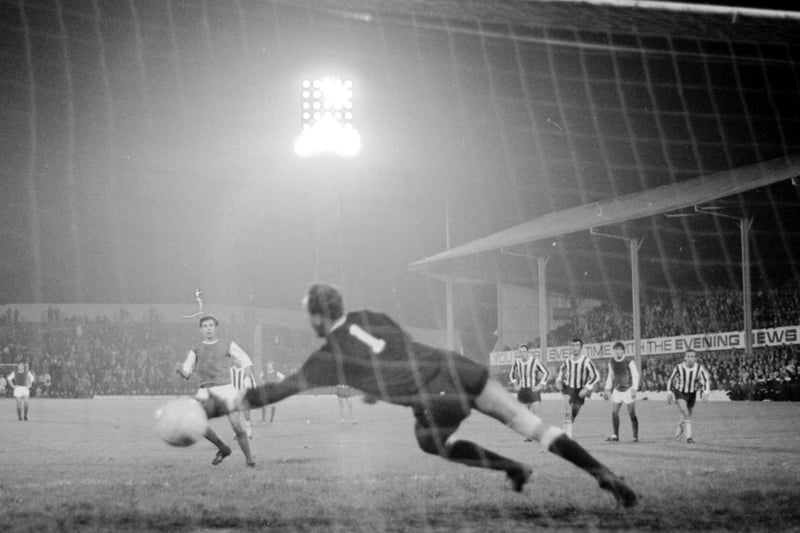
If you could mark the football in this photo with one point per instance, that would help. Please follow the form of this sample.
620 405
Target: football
181 422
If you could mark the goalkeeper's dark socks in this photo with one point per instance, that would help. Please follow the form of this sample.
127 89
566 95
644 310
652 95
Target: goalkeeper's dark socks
471 454
573 452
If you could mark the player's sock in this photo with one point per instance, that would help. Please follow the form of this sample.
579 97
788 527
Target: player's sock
248 428
635 426
568 428
19 413
615 423
471 454
573 452
565 447
687 424
244 444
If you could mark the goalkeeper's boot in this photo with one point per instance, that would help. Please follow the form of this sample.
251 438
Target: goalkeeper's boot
221 454
519 476
618 488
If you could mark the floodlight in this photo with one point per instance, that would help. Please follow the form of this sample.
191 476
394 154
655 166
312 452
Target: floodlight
328 130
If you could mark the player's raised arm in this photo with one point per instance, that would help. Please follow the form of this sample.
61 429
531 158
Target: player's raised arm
186 368
544 371
561 375
705 382
635 378
593 376
609 380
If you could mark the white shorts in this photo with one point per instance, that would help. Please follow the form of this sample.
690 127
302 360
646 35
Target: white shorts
22 393
223 392
622 397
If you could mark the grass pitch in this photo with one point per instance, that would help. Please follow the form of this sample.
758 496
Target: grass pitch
95 465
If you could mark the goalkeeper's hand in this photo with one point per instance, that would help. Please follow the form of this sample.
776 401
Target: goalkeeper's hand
216 406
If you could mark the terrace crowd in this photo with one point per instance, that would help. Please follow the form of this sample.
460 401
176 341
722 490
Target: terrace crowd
117 356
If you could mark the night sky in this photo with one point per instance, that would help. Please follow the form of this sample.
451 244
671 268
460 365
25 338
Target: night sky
147 145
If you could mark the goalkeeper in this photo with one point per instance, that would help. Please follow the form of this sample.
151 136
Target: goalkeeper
370 352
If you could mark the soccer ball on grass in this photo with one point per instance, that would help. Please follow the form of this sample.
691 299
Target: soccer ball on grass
181 422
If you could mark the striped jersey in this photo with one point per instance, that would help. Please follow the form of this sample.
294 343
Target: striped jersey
622 375
686 380
241 378
578 373
525 372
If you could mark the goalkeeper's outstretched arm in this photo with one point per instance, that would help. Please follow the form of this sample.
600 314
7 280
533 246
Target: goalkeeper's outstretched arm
216 406
319 370
271 392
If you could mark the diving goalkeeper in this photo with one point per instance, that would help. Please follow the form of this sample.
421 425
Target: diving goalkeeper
370 352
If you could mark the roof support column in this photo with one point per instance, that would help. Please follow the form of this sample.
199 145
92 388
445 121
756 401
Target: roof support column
544 308
633 246
745 223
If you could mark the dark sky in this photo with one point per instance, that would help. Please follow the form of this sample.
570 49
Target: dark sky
147 146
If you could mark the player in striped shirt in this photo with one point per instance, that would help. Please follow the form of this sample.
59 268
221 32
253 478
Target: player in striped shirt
687 379
270 375
621 386
529 376
576 378
210 360
242 378
370 352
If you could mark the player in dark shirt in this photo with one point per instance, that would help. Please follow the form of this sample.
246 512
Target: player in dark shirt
370 352
621 386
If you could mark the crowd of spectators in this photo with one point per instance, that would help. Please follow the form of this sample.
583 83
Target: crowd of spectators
118 356
83 358
685 313
769 373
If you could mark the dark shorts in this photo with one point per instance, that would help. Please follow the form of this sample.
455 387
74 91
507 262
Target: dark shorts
344 391
449 397
527 396
572 392
689 397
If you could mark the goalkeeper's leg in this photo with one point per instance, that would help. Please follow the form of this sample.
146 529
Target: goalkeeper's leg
437 422
495 402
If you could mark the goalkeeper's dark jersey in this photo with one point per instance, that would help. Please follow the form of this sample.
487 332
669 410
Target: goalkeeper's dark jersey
370 352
